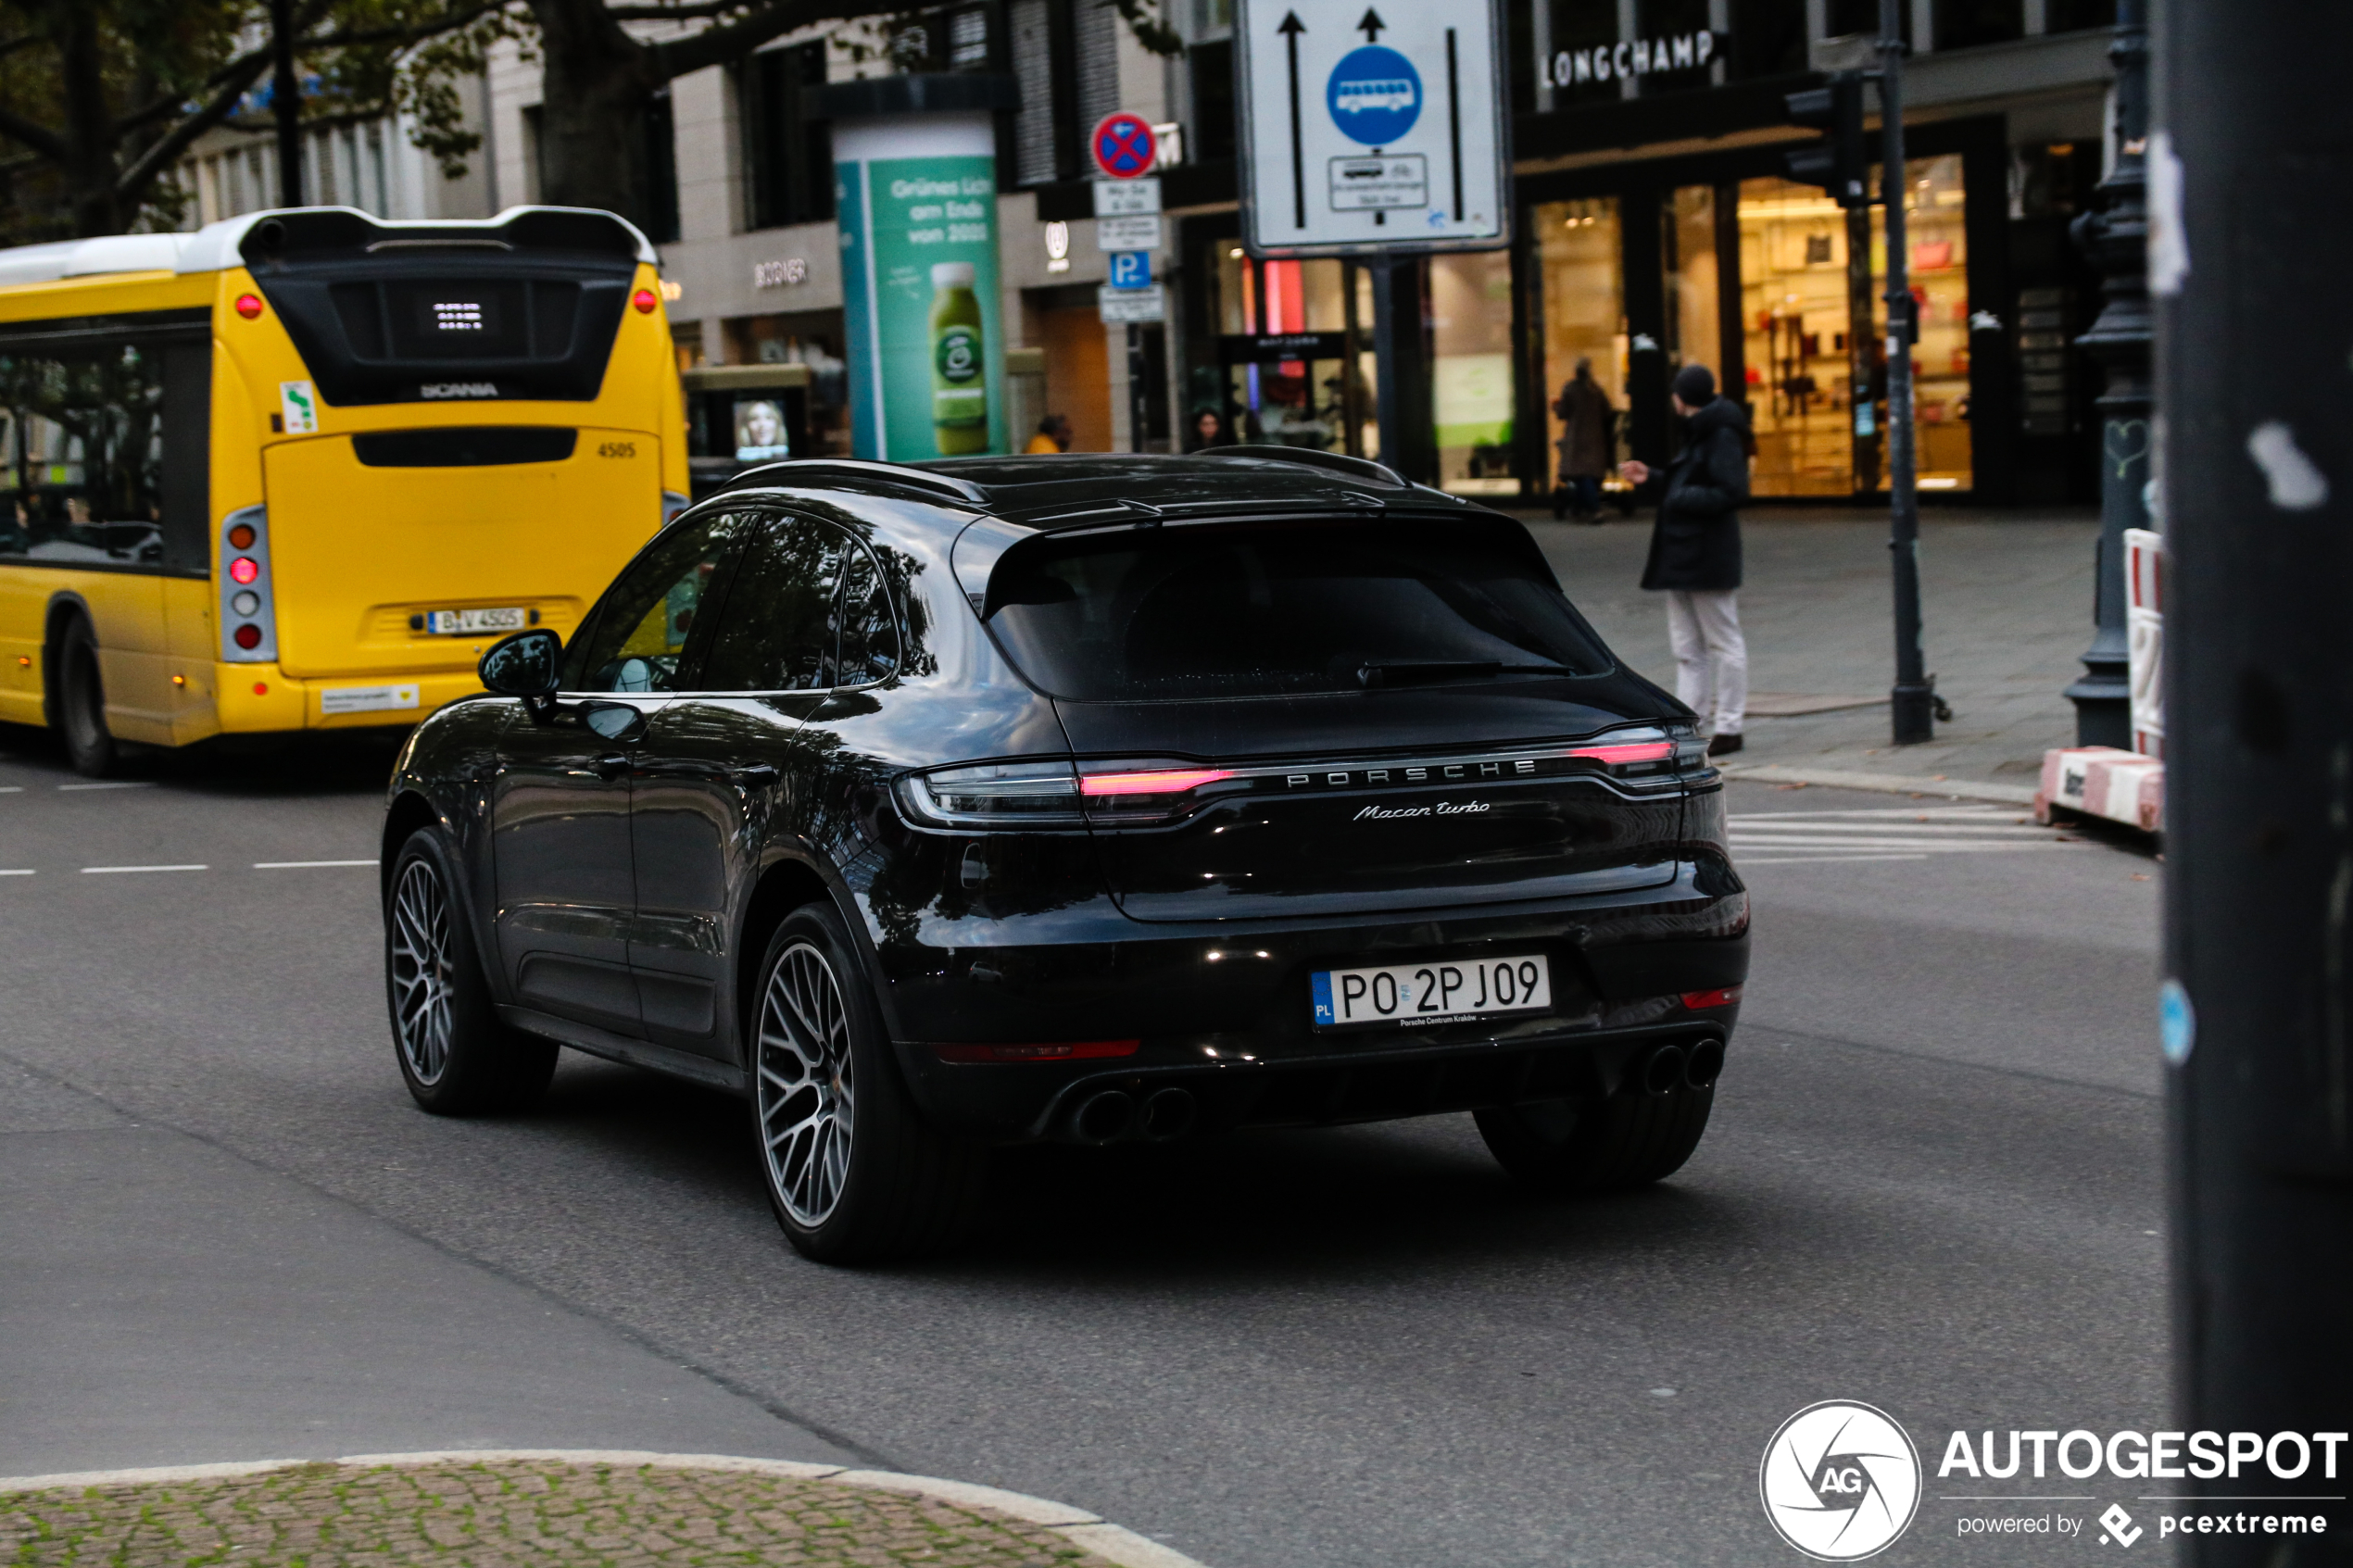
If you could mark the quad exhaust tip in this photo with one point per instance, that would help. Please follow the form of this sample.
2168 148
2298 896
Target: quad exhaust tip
1104 1118
1663 1070
1113 1115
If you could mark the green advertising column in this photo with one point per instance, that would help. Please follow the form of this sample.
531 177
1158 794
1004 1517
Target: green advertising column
915 187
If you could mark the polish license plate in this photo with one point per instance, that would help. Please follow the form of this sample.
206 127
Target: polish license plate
1431 993
462 623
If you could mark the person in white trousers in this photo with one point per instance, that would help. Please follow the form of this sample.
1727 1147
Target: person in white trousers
1695 556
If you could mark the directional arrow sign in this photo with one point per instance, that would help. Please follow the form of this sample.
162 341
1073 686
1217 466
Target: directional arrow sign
1361 135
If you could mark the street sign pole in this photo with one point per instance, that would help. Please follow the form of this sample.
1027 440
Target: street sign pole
2254 496
1911 702
1137 409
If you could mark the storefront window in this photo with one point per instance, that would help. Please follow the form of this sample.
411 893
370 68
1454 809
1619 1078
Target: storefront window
1794 303
1578 253
1812 438
813 338
1470 309
1285 337
1687 244
1933 210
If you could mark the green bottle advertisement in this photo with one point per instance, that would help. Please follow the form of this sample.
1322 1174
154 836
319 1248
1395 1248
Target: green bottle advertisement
958 385
915 198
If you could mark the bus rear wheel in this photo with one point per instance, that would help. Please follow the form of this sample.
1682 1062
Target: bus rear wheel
82 702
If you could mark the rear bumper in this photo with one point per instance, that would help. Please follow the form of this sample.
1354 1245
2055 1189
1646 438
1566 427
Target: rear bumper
1224 1011
258 699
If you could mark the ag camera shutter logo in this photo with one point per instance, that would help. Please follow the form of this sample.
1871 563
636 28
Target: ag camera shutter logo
1840 1481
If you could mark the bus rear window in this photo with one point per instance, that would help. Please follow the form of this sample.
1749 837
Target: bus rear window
420 319
1283 609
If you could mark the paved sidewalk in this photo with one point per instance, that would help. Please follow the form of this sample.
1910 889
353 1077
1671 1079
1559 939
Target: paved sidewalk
514 1512
2008 607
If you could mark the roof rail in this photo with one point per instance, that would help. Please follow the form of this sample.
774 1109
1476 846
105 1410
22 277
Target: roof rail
856 473
1309 457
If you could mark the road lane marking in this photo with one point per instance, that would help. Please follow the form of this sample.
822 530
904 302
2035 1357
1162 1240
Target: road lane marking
301 865
14 873
11 789
113 783
1817 859
110 871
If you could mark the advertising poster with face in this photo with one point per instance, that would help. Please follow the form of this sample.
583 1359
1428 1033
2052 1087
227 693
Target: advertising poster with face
759 430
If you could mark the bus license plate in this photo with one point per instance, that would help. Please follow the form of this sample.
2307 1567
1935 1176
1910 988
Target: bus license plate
1431 993
461 622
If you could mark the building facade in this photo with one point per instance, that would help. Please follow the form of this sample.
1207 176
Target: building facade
1653 228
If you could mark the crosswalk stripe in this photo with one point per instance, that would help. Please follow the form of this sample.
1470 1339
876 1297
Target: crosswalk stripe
1887 833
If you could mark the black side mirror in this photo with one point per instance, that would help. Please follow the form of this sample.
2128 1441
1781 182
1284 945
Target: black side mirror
528 665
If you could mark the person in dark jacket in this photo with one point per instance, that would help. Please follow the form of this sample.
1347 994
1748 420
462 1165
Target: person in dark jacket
1695 556
1586 417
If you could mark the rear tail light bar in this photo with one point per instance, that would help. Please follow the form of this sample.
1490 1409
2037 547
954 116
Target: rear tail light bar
1162 781
247 607
1148 792
1049 795
1722 996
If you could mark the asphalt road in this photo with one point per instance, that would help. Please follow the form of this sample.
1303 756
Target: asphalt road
1932 1184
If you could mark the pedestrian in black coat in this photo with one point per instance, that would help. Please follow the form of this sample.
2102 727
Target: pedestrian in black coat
1695 555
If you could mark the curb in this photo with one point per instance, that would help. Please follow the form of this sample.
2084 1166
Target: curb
1891 784
1095 1534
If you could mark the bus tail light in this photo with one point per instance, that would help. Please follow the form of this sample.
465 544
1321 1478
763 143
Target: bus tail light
645 300
248 613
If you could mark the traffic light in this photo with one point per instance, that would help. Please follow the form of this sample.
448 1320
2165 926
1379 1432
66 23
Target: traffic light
1839 163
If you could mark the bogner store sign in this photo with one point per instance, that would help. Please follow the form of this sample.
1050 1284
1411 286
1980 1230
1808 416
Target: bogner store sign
1635 57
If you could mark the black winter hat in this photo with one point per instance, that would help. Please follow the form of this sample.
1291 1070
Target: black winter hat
1695 385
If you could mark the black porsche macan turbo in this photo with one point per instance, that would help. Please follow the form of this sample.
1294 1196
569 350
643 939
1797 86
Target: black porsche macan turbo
1092 798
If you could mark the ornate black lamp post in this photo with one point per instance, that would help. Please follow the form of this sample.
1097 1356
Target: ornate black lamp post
2114 237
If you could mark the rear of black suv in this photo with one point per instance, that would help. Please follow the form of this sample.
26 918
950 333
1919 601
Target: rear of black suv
1358 818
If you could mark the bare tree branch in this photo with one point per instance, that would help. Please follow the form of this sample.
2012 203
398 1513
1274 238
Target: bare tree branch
672 13
678 57
164 106
40 138
136 179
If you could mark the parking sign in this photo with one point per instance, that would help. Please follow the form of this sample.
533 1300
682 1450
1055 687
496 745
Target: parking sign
1361 135
1131 270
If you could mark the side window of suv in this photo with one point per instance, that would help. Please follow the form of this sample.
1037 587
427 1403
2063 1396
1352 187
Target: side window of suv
807 610
865 623
775 632
638 638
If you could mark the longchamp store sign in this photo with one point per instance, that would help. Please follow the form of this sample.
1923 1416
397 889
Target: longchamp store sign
1633 56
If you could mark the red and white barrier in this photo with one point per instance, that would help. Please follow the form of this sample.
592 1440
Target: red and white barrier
2100 781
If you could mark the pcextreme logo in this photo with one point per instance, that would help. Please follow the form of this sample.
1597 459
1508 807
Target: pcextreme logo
1840 1481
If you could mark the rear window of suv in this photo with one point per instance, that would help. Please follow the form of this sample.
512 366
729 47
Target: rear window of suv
1284 609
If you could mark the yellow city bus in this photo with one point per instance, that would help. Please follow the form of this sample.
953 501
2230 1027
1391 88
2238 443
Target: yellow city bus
295 470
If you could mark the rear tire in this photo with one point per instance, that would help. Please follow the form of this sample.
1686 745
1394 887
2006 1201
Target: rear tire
1631 1139
82 704
457 1058
852 1172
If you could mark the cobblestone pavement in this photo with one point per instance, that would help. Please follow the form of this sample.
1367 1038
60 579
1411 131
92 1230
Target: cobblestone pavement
2006 603
544 1514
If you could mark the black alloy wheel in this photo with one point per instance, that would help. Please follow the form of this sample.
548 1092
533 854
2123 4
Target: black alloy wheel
851 1170
82 703
457 1058
1640 1135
